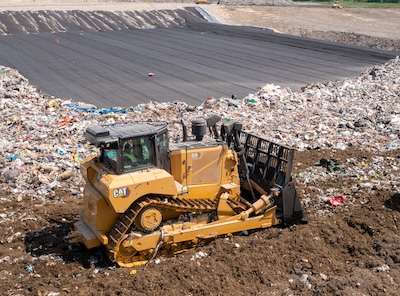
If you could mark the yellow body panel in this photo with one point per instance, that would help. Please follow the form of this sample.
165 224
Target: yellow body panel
120 191
123 190
93 203
204 170
91 229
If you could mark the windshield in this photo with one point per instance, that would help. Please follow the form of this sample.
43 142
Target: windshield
137 153
110 158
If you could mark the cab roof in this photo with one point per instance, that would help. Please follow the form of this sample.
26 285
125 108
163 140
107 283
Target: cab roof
104 134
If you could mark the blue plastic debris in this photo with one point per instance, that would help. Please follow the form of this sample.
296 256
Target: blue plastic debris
79 108
107 111
12 157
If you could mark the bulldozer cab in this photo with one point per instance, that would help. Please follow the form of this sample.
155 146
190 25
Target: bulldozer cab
131 147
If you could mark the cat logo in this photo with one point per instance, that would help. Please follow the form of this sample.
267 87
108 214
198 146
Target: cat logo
122 192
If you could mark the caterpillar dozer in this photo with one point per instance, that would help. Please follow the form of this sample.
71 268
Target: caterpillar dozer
146 196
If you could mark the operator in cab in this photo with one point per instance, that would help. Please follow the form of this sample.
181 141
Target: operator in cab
132 153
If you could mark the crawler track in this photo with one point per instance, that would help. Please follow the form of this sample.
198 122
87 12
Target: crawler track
125 224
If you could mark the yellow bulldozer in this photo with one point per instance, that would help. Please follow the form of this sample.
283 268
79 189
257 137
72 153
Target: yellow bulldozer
146 196
337 5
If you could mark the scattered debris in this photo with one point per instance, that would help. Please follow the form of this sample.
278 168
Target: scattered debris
42 143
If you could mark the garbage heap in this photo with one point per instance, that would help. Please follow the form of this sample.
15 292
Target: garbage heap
42 143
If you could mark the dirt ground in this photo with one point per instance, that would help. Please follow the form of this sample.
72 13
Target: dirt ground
375 28
352 249
346 250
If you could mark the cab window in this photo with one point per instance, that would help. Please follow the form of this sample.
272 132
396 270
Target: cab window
137 153
110 158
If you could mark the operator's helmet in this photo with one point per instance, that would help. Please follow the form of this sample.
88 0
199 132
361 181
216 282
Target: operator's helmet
128 146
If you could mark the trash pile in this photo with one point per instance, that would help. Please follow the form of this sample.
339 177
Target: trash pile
353 181
42 143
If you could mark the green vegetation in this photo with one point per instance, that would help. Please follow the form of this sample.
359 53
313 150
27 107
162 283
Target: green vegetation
359 3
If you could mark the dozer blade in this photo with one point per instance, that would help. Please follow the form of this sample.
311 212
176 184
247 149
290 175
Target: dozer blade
270 168
291 205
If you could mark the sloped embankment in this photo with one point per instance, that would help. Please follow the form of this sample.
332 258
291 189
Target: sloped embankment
51 21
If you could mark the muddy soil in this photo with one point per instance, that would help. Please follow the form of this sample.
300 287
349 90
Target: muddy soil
350 249
375 28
